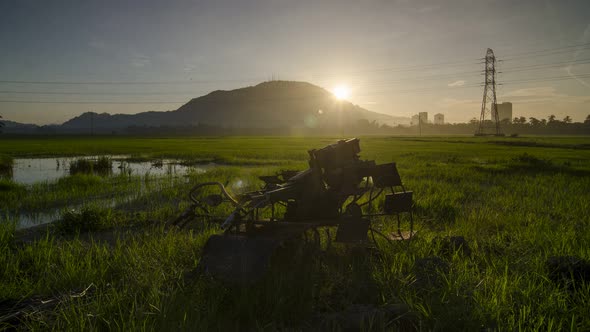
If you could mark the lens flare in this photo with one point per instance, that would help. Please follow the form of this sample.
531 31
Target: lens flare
341 92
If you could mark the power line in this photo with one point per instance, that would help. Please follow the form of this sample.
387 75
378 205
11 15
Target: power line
450 63
405 68
397 69
538 55
378 83
550 79
91 102
472 73
372 83
102 93
123 82
543 79
548 65
569 48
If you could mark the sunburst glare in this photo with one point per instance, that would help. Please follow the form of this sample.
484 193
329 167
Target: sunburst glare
341 92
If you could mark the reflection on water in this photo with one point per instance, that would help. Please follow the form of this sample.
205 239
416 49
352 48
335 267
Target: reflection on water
27 220
31 219
31 170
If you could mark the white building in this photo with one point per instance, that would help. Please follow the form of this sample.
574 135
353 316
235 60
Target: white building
439 119
504 111
423 117
419 119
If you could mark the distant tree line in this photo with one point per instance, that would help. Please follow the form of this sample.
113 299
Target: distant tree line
551 125
518 126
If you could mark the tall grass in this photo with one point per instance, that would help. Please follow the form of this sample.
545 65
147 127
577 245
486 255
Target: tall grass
515 210
102 165
6 164
88 218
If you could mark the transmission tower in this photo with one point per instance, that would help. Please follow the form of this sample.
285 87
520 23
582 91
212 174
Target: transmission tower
490 126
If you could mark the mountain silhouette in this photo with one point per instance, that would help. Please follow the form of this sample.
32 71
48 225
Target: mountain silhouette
266 105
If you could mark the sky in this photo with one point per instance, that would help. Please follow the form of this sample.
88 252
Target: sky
59 59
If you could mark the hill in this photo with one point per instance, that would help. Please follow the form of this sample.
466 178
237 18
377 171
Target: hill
11 127
17 125
266 105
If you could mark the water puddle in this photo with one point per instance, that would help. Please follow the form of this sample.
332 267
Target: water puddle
31 170
31 219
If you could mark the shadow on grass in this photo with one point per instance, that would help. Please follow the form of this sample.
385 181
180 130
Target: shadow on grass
542 145
529 164
304 289
509 143
436 213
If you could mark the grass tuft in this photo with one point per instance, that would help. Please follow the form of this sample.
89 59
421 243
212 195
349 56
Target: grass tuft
89 218
10 186
6 163
101 166
526 158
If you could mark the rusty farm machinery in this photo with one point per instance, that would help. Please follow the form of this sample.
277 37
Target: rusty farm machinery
338 190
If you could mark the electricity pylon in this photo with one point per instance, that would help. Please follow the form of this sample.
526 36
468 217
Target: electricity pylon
488 105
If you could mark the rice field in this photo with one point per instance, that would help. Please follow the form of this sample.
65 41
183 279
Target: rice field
518 205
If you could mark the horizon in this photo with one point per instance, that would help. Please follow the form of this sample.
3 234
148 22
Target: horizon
64 59
430 116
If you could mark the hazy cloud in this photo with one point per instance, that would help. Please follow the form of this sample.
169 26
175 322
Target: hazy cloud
544 91
545 94
97 45
140 61
428 9
457 83
453 102
189 68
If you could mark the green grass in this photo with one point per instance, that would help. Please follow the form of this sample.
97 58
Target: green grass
515 204
5 165
102 165
87 219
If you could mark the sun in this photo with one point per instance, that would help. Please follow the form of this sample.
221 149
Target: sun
341 92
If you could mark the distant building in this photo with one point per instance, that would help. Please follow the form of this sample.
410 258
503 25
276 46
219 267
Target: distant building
423 117
415 120
504 111
439 119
